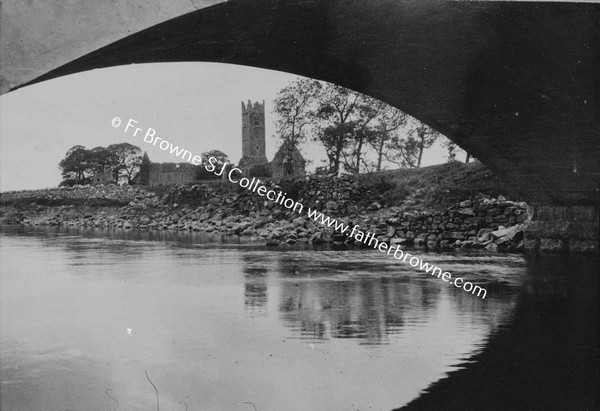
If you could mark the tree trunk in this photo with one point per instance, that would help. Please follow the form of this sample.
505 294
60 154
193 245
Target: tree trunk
380 151
336 164
420 154
358 152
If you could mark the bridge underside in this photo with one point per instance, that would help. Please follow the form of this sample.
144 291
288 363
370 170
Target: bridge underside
515 84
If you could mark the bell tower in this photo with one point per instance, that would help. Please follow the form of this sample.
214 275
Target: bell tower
253 134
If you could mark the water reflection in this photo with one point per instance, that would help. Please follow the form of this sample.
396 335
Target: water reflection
255 289
368 309
217 324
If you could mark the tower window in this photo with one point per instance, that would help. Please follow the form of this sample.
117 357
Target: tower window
256 122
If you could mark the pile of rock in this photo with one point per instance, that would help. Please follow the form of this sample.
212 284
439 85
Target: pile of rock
341 195
493 223
114 193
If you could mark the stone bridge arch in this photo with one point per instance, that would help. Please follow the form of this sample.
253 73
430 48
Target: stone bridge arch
514 83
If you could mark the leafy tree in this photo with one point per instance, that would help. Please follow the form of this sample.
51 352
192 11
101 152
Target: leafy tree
344 122
344 118
127 160
77 165
389 121
102 160
222 158
451 147
454 150
407 152
365 131
292 107
347 124
321 170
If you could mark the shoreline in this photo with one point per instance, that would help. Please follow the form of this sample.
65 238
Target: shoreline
496 224
445 208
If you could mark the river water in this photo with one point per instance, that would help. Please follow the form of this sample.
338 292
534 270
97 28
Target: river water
94 320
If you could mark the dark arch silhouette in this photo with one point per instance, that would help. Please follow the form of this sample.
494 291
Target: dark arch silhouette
517 84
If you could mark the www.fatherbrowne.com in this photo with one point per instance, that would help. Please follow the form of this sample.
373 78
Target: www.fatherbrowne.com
235 176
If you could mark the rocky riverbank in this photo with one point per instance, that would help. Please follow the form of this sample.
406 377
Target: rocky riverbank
399 215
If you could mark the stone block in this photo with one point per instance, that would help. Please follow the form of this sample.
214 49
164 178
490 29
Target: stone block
543 213
544 228
466 212
562 213
531 243
494 211
432 244
397 241
483 231
585 213
502 218
492 247
331 205
446 245
553 245
583 246
582 230
419 242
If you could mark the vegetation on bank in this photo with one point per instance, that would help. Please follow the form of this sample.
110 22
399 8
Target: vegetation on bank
429 188
436 187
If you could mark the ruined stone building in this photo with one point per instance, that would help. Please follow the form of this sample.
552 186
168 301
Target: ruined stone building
287 162
253 138
156 174
107 177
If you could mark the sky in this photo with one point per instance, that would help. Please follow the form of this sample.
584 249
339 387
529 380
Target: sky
196 106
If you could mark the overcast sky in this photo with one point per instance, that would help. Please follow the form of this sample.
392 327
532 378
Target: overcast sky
194 105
